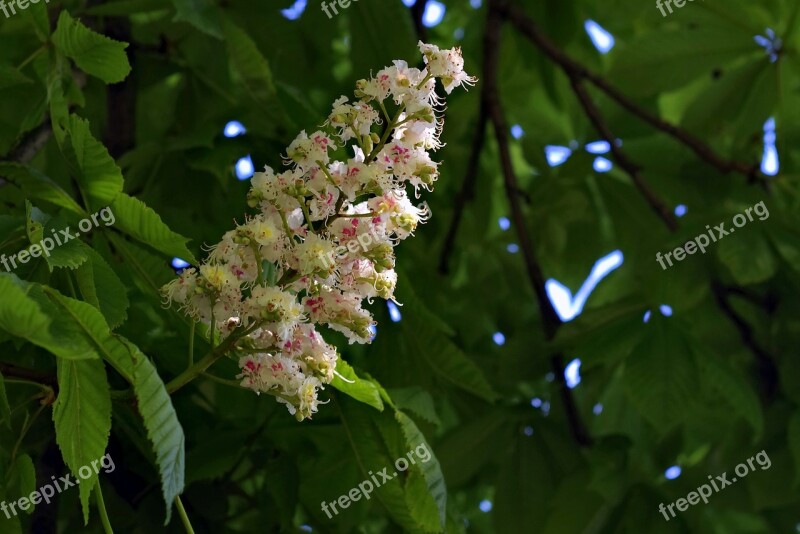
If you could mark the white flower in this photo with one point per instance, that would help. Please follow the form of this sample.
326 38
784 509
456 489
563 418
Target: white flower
448 65
306 151
323 238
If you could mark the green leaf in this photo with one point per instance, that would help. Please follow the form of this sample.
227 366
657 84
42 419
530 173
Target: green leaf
661 61
734 388
82 416
431 470
10 76
386 32
64 254
163 429
101 287
99 177
94 53
36 219
360 389
661 376
202 14
150 272
145 225
96 331
25 312
36 16
446 359
468 448
748 256
37 186
372 455
5 409
250 65
525 483
417 400
415 306
154 403
784 237
22 478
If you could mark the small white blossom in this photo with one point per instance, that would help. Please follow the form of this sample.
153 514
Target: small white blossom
311 255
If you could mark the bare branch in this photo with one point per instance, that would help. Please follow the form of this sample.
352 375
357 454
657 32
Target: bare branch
575 70
550 320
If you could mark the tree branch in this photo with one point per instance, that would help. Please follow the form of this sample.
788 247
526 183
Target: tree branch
767 371
550 320
575 70
12 371
621 158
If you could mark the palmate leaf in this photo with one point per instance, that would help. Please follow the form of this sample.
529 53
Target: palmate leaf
524 488
37 186
748 255
372 455
446 359
719 375
69 254
433 481
149 271
250 65
428 338
417 400
661 61
94 53
202 14
363 390
26 312
163 429
102 288
82 416
154 403
141 222
661 375
99 177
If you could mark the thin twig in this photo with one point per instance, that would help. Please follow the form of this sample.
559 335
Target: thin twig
550 320
527 27
767 370
633 170
6 369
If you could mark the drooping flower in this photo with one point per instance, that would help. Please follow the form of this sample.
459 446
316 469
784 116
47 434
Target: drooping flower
323 238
